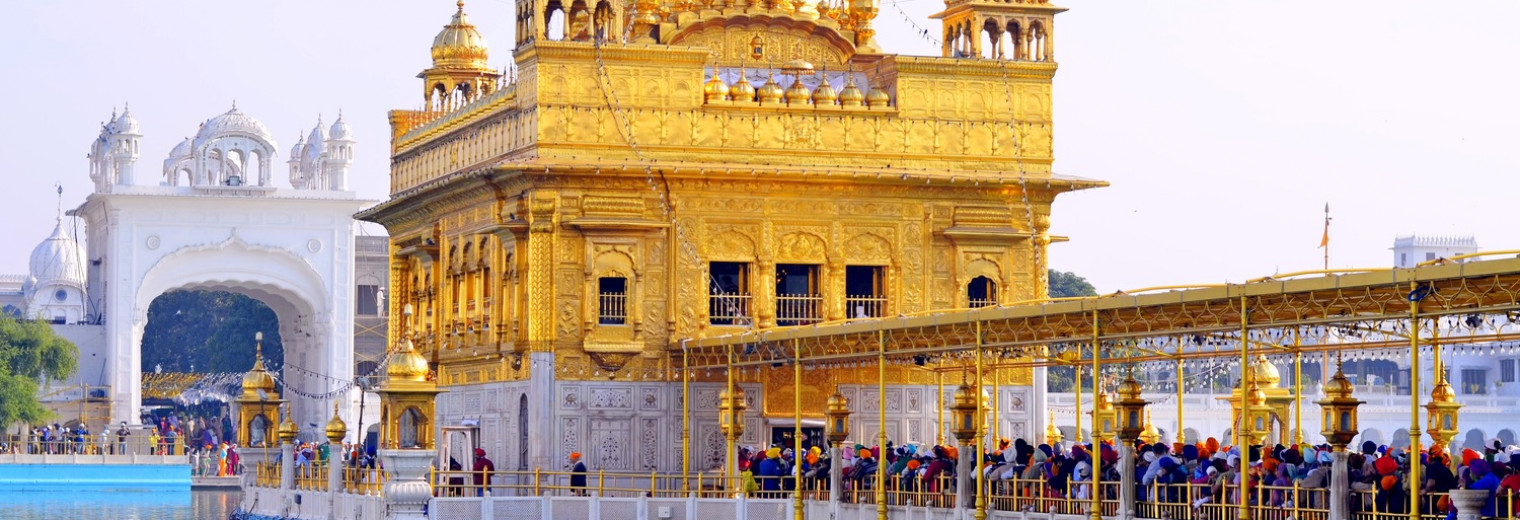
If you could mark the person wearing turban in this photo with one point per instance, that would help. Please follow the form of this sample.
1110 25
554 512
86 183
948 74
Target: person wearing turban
1390 496
1483 478
769 472
577 474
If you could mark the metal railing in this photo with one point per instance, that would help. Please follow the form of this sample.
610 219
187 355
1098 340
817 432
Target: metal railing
364 481
267 474
311 476
728 309
865 306
138 442
798 309
977 303
612 309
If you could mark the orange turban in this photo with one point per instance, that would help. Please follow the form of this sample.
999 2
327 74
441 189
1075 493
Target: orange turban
1468 455
812 457
1388 482
1270 465
914 464
1386 466
1212 444
953 451
575 455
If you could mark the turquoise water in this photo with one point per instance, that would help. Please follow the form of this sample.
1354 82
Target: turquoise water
120 504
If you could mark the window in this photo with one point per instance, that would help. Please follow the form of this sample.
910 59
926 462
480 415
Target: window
1474 381
1506 371
797 298
1403 259
981 292
728 293
865 296
1430 256
612 300
61 295
366 303
59 318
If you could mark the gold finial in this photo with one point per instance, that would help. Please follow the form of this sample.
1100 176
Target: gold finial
460 3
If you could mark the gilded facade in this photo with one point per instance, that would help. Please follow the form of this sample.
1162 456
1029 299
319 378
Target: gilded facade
706 168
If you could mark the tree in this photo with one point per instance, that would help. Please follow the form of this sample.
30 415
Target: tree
1066 284
207 332
30 354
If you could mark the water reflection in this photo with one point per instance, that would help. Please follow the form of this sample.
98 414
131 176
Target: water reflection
118 505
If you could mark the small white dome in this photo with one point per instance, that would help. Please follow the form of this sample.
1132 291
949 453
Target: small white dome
340 130
126 124
316 142
295 151
181 150
234 123
58 260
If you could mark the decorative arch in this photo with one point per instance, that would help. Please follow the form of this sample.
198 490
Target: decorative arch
730 244
868 248
781 37
801 246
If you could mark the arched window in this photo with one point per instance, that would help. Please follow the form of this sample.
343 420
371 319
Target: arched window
258 429
981 292
409 431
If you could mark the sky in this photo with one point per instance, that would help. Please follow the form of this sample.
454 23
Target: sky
1224 126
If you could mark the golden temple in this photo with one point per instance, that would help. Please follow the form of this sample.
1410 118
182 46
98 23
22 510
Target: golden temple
710 168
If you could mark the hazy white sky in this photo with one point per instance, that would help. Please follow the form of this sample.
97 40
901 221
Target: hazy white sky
1224 125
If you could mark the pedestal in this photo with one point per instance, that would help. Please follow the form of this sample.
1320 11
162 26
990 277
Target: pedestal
287 466
836 481
1469 503
335 472
1126 481
408 491
1340 486
965 495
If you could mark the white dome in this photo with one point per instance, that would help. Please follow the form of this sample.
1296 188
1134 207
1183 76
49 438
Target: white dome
316 143
340 130
181 150
295 151
59 259
126 124
234 123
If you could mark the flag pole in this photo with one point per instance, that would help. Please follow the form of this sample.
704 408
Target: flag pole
1324 241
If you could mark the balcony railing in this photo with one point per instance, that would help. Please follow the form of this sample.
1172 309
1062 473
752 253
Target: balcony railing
613 309
865 306
798 309
977 303
728 309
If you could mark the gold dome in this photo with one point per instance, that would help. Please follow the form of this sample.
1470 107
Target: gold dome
824 95
1052 433
1105 402
1443 393
797 94
258 378
770 92
408 365
1129 388
850 95
1338 387
715 89
1255 396
336 428
877 98
288 431
1266 372
742 90
459 45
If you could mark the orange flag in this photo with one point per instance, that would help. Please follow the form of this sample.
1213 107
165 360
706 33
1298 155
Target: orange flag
1324 240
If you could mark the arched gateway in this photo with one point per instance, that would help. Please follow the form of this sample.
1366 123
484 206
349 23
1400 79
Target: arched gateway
217 222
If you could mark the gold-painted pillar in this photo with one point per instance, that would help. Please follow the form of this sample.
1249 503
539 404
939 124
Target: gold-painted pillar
881 423
1242 421
1416 293
541 274
731 468
995 440
1181 437
797 457
1097 440
1076 381
981 430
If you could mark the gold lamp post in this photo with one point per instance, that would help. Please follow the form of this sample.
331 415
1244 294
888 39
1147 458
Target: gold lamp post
1256 416
1339 408
963 409
838 412
1131 410
1442 410
1104 414
1053 435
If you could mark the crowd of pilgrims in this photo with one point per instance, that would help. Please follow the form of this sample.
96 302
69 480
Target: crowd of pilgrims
1165 471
